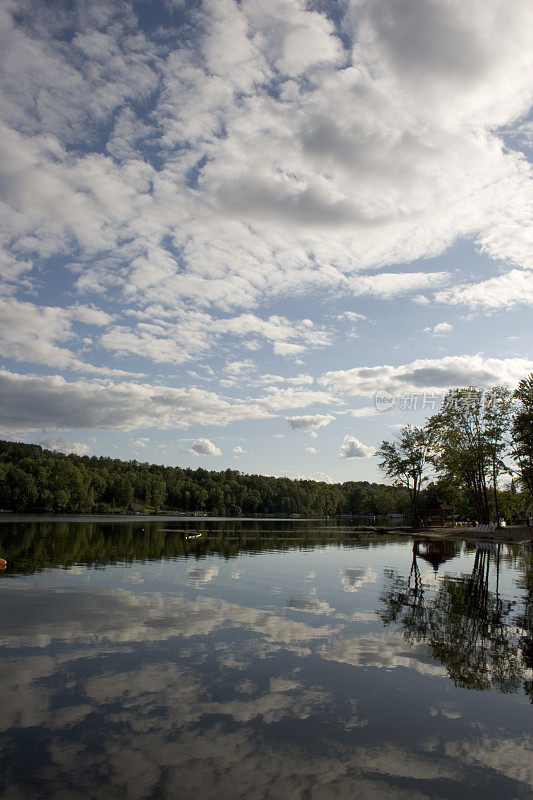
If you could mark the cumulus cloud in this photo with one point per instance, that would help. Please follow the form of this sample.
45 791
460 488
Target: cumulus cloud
439 329
237 368
198 332
434 375
37 334
365 411
278 159
503 291
239 451
309 421
141 441
90 315
350 173
31 402
353 448
276 400
351 316
203 447
312 450
321 477
61 445
388 285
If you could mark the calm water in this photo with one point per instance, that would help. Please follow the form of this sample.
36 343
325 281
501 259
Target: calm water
261 660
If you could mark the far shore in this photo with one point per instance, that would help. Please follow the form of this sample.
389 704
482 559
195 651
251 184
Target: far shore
516 534
12 516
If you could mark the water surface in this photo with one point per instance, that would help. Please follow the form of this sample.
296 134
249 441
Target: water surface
201 659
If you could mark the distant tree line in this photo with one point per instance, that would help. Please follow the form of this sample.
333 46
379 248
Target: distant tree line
33 479
475 439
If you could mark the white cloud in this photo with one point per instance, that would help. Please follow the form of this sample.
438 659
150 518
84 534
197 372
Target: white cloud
198 332
439 329
236 369
388 285
279 399
321 477
288 349
303 379
311 450
351 173
141 441
248 186
239 451
36 334
31 402
365 411
351 316
310 421
353 448
90 315
203 447
435 375
61 445
504 291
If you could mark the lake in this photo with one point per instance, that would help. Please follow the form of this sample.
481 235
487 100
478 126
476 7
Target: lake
261 659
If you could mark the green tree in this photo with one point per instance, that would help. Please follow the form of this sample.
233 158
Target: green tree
522 432
468 444
496 422
405 461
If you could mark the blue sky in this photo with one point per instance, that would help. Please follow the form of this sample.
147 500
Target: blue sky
228 226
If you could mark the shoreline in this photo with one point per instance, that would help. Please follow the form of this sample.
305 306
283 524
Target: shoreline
513 534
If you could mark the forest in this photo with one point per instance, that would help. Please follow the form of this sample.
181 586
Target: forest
461 456
33 479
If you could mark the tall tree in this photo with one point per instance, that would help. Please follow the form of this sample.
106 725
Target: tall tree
497 408
460 445
405 460
522 432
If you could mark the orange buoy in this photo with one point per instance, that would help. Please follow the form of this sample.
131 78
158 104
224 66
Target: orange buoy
3 563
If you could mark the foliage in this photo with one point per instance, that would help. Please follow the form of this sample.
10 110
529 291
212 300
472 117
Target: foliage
468 439
33 479
467 442
522 432
404 461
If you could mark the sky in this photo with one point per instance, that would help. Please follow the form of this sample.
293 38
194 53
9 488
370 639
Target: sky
260 234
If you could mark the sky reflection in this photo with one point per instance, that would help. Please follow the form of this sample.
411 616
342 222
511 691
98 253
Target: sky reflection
186 682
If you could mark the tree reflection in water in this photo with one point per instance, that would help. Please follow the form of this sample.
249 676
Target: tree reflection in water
468 627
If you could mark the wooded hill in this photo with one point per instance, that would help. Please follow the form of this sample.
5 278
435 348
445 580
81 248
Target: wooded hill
33 479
